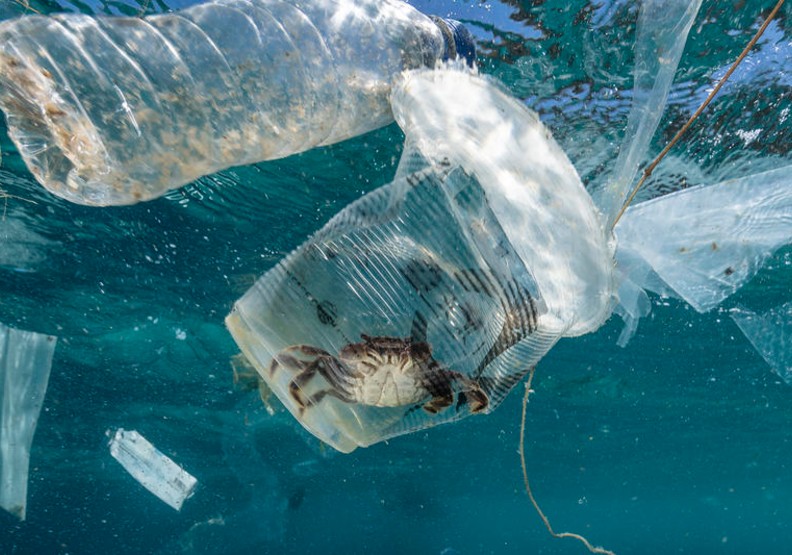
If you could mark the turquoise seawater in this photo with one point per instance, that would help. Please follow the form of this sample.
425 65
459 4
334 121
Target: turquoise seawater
681 442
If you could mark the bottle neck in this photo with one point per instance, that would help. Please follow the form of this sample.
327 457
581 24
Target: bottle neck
459 42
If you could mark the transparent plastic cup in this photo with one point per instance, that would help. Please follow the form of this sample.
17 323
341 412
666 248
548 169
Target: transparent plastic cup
427 300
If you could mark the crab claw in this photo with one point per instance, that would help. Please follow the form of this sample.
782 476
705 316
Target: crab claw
477 399
298 396
438 404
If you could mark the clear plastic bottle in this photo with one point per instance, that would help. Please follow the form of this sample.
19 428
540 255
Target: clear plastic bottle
109 111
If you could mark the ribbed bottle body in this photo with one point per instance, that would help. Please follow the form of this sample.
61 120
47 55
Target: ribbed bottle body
112 111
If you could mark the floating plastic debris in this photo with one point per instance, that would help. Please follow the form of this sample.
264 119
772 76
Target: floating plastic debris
662 30
703 243
25 363
771 334
700 244
155 472
428 299
115 110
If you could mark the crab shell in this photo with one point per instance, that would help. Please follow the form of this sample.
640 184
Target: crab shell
385 372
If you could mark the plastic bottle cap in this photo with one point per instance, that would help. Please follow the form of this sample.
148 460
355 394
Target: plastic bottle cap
459 41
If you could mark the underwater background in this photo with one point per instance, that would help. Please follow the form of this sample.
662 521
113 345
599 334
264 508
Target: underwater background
677 443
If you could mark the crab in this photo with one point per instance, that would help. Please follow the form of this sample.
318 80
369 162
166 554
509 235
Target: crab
378 371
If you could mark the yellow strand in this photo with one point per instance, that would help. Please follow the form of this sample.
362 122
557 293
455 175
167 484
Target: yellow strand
650 168
528 490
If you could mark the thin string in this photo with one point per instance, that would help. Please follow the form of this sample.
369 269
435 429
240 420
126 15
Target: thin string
26 4
584 541
5 196
650 168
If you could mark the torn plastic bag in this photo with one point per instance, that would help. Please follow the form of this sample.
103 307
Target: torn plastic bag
706 242
426 300
700 244
25 363
662 30
115 110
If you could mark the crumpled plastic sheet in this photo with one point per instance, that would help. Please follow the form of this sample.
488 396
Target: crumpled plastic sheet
702 244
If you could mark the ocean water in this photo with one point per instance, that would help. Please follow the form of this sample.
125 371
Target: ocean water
678 443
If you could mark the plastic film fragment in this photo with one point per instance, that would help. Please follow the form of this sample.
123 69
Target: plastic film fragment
25 363
771 334
663 27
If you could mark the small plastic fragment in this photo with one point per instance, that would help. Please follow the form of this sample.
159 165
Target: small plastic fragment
156 472
771 334
25 363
